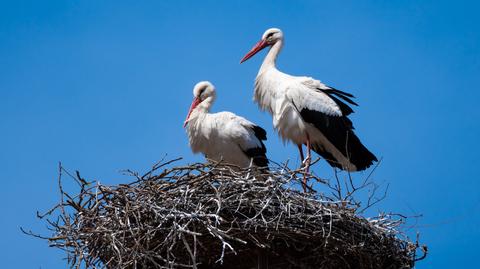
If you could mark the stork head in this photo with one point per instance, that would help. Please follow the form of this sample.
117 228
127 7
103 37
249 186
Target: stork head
203 97
269 38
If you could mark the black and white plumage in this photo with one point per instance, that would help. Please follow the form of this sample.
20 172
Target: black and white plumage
308 112
223 136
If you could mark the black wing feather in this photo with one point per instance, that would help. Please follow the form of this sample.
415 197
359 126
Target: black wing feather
346 110
334 93
339 131
341 95
341 92
260 133
258 154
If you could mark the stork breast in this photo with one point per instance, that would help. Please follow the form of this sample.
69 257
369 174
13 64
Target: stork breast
290 124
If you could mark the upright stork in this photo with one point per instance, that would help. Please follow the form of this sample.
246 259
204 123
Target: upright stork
223 135
308 112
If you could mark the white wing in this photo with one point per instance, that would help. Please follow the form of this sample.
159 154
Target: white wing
237 129
305 94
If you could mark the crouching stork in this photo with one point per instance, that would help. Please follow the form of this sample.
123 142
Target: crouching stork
223 136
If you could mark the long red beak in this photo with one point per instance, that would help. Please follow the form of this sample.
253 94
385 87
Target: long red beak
258 47
196 101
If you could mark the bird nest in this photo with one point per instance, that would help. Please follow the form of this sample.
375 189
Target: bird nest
219 216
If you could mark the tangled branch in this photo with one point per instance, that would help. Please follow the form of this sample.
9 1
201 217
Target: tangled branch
219 216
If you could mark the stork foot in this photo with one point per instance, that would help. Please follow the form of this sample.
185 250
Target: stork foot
306 173
306 163
304 183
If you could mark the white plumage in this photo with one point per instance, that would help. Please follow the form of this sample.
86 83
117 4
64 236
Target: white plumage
306 111
223 135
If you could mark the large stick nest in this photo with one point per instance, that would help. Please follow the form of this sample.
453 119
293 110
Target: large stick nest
219 216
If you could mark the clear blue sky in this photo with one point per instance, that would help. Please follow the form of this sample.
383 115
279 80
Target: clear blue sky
106 85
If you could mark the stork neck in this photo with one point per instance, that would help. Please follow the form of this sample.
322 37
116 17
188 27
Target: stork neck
197 116
270 59
204 106
202 109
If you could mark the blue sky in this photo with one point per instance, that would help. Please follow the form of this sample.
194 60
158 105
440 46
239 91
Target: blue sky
105 85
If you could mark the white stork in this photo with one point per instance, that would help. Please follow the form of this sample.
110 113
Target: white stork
224 135
306 111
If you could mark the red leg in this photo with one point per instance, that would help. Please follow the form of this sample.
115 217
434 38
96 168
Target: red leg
309 155
306 163
300 149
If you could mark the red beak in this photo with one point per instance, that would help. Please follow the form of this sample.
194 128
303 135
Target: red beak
258 47
196 101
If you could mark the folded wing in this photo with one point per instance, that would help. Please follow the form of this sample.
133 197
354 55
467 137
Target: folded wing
326 109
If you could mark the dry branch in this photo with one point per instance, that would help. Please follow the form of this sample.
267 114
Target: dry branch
219 216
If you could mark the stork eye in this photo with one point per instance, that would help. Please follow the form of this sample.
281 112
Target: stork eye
270 34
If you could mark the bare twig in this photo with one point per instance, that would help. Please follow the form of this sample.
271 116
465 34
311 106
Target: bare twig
215 214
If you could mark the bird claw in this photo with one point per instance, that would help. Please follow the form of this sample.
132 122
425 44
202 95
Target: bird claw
306 167
306 162
306 175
